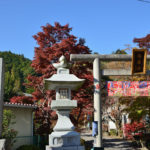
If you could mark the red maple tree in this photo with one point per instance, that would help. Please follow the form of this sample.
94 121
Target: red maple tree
53 42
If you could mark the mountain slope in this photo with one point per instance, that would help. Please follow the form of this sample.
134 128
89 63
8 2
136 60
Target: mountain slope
17 68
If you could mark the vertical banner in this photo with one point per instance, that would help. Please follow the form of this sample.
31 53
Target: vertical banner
128 88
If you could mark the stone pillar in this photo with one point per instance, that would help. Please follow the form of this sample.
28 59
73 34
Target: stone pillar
2 141
1 93
97 102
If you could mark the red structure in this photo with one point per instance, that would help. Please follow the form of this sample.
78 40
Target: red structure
143 42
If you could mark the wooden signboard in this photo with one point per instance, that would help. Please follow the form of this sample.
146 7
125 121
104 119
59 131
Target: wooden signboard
139 61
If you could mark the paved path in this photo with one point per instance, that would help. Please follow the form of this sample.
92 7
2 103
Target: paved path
110 143
116 144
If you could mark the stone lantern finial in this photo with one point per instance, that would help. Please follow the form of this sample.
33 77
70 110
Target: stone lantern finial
62 63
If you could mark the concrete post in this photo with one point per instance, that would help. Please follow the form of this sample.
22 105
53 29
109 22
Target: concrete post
1 93
97 103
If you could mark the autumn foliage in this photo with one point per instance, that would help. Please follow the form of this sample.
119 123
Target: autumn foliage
134 129
22 99
53 42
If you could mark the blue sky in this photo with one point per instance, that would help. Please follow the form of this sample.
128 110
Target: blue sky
106 25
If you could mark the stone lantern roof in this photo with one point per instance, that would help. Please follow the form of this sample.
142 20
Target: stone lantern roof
63 78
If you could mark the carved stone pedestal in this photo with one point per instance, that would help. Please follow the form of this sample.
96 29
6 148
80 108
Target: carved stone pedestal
65 148
63 137
66 140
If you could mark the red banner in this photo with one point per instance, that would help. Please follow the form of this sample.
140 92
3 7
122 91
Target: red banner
128 88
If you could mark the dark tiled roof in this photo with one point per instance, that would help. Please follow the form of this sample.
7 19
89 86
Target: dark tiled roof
19 105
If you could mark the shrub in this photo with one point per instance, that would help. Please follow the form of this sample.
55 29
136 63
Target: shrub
8 133
135 129
113 132
28 147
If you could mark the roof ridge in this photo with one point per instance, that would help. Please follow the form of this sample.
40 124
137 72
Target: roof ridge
20 104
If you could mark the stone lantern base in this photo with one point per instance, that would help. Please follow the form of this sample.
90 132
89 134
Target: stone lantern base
64 137
65 148
64 140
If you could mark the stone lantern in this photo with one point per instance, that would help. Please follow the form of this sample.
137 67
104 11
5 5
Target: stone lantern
63 136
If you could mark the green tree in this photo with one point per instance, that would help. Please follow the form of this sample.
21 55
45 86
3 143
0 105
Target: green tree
17 68
137 108
119 51
8 133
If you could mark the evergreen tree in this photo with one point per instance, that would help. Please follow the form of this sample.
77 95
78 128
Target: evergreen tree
17 68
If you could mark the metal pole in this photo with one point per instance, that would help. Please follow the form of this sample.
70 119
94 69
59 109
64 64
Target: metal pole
97 103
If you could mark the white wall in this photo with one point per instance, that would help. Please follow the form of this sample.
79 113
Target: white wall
23 126
111 125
